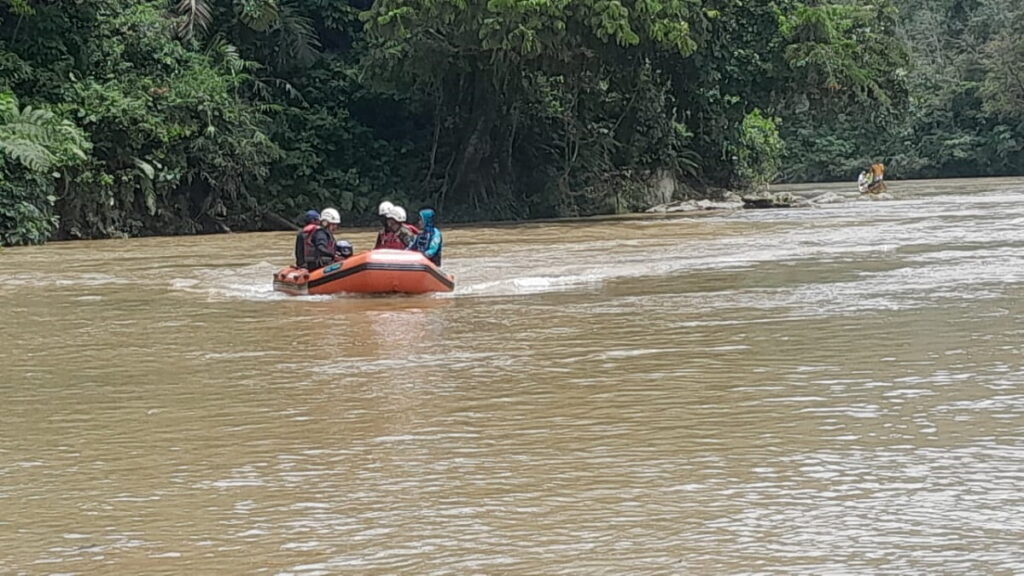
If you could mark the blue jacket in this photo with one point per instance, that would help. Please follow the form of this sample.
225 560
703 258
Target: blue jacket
428 241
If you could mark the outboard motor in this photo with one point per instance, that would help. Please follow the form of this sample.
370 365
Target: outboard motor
343 248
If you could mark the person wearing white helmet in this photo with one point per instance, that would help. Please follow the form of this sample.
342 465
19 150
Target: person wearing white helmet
384 212
396 235
406 232
324 245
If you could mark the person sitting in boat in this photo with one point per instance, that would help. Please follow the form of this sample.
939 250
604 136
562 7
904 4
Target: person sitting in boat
324 245
429 241
405 222
304 237
397 235
383 211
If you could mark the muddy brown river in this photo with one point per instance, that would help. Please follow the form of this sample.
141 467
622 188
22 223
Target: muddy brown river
835 390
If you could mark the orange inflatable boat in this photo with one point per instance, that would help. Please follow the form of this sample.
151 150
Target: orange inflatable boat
373 272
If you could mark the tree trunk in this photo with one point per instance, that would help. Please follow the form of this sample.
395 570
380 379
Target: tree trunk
471 171
279 222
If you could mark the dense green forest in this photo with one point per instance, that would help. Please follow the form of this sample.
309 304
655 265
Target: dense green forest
133 117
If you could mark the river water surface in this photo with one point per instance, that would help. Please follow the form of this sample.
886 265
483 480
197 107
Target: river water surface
835 390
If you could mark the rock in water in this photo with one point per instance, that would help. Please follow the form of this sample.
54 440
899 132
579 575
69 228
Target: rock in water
769 200
696 206
880 196
828 198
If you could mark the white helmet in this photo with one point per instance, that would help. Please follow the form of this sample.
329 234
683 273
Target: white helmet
397 213
331 216
385 208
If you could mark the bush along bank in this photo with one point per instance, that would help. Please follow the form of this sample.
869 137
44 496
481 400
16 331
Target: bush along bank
123 118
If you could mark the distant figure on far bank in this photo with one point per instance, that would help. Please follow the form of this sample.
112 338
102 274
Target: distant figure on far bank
872 180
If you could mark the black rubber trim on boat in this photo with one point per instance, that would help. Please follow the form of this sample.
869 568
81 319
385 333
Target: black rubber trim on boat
342 273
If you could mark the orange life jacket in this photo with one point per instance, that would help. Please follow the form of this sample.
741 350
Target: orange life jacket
390 240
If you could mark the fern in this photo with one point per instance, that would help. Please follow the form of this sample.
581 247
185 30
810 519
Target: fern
30 154
223 52
37 138
261 88
195 14
298 37
260 15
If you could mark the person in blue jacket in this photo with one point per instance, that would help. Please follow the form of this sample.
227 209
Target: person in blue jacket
429 240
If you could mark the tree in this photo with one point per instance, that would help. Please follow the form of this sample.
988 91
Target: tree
546 84
759 155
846 67
36 147
213 114
1003 85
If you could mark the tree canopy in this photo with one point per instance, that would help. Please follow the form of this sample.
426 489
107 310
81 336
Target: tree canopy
129 117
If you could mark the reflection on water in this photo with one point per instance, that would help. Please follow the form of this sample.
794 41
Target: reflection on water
826 391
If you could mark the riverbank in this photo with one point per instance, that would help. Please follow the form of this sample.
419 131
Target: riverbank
754 201
788 195
811 194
